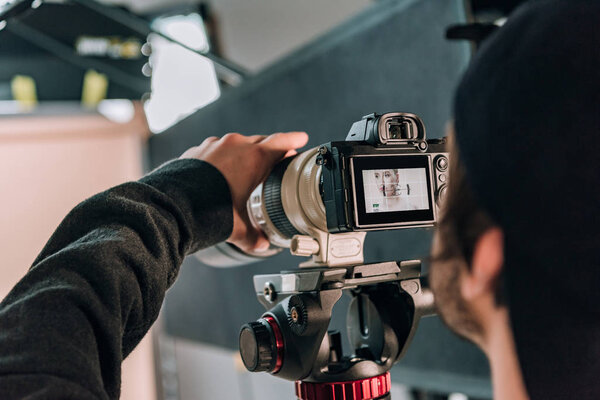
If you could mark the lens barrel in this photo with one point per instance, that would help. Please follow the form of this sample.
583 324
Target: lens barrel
289 202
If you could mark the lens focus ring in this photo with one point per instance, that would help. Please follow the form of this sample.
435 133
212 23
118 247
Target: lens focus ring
272 200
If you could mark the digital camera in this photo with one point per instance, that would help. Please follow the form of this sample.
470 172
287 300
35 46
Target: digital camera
385 175
322 203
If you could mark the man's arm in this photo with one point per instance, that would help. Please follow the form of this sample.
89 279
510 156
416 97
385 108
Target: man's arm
99 283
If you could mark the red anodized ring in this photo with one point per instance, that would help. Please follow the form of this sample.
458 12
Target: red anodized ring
362 389
278 342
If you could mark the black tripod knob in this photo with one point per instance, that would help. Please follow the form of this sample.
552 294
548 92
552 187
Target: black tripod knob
261 345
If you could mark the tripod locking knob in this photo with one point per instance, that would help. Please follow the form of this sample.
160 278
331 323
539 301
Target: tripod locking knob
261 345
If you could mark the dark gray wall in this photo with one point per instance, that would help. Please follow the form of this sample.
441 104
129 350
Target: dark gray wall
393 57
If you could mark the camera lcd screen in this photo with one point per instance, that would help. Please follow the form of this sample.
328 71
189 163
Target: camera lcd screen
391 190
395 189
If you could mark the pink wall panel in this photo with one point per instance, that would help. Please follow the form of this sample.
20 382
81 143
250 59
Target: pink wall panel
48 165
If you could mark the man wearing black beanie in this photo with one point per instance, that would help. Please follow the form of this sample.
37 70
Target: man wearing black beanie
517 254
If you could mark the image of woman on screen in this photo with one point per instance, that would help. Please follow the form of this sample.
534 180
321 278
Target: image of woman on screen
389 190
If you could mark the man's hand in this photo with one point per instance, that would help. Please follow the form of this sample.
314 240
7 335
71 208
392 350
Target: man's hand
246 161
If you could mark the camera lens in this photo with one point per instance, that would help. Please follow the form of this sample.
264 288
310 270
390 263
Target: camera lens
227 255
290 201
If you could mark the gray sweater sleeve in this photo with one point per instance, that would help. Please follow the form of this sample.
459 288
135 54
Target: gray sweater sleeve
98 284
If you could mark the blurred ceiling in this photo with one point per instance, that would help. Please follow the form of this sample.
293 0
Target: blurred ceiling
144 6
256 33
251 33
42 44
149 6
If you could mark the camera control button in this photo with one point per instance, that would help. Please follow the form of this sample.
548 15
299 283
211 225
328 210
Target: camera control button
441 195
441 163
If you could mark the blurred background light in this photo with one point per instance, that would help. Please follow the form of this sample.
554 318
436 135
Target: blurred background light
182 81
117 110
5 3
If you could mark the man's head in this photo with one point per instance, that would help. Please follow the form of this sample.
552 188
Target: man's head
466 269
527 122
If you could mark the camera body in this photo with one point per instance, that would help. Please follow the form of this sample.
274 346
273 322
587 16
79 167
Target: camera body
386 175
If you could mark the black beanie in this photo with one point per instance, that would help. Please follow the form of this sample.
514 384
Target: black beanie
527 121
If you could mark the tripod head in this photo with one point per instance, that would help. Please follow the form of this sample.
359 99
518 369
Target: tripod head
291 340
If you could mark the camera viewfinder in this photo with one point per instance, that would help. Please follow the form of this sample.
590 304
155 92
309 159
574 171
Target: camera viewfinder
400 129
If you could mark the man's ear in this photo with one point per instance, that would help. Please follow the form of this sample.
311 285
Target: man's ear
488 259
